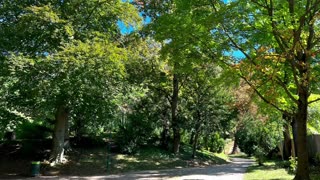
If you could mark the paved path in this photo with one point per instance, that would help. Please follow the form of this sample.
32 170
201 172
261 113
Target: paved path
232 171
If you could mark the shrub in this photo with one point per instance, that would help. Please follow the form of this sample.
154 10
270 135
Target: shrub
293 164
136 132
317 159
28 130
217 143
258 138
260 155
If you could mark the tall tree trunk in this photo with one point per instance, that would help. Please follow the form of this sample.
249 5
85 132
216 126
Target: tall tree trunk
235 147
294 126
303 161
192 137
286 138
174 106
197 133
79 128
67 136
165 133
57 151
195 143
206 139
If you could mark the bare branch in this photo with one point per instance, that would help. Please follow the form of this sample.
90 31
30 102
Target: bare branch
283 85
310 102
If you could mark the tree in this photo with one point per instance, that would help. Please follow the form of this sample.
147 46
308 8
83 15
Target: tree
62 53
173 28
279 41
258 135
206 106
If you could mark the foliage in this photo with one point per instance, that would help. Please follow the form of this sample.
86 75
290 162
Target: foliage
136 131
314 119
259 155
279 48
258 138
293 164
9 121
29 130
216 143
317 159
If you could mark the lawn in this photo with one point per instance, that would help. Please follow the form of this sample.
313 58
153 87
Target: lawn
275 169
152 158
88 162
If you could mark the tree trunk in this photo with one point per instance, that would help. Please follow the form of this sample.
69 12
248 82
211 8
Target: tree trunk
303 161
195 143
286 138
235 147
175 123
294 126
67 136
59 135
79 128
197 133
165 134
192 138
176 140
206 140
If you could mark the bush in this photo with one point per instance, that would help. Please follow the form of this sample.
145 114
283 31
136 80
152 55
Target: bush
317 159
260 155
293 164
216 143
136 132
28 130
258 138
88 141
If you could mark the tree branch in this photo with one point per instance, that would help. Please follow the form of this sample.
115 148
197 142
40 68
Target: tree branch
262 97
310 102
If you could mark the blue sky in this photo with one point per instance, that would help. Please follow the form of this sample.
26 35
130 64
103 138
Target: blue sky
128 29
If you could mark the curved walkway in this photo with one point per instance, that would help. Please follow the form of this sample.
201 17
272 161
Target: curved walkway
232 171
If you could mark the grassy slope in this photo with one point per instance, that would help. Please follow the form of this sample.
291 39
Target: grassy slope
151 158
94 161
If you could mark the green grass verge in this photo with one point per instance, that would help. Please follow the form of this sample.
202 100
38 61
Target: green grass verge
270 170
275 169
94 161
152 158
240 155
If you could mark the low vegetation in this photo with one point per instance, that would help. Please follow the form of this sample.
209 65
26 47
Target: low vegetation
96 161
276 169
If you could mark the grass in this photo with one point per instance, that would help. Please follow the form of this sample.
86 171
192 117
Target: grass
88 162
275 169
240 155
270 170
152 158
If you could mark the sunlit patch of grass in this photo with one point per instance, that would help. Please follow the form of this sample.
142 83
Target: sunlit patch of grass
240 155
152 158
276 169
270 170
128 158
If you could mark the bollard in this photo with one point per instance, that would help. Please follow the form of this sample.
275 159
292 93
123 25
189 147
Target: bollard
35 168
